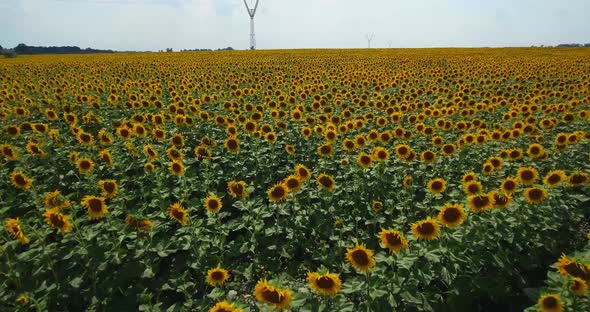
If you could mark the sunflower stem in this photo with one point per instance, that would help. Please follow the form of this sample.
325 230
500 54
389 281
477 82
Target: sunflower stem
368 277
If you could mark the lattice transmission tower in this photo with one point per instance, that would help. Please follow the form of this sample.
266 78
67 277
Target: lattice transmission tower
251 11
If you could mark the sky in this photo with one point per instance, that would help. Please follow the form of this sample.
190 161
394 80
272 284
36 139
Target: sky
142 25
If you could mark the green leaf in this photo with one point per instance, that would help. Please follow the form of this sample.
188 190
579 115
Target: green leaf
75 282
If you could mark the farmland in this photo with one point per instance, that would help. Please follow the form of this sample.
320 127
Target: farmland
309 180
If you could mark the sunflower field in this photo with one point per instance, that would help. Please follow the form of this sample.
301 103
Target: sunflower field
296 180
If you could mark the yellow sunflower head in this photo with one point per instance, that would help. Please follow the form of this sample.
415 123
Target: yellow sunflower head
452 215
109 188
95 206
279 298
360 258
177 212
480 202
224 306
277 192
237 189
57 220
293 183
20 180
302 172
527 175
217 276
550 303
212 203
327 284
393 240
437 185
326 182
427 229
535 195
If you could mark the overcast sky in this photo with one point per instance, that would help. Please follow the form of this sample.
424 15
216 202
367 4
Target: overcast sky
189 24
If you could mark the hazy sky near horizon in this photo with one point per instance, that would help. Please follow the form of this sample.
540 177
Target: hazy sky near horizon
188 24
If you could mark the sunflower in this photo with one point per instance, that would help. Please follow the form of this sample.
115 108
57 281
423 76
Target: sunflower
109 188
85 138
550 303
393 240
302 172
139 223
377 205
326 182
348 145
452 215
325 150
224 306
202 151
509 185
232 144
124 132
54 200
569 267
20 180
427 229
40 128
13 227
217 276
578 178
290 149
327 284
85 165
178 213
402 150
408 181
139 130
428 156
237 189
500 200
535 150
554 178
380 153
22 299
57 220
360 258
527 175
535 195
177 140
34 149
174 154
515 154
212 203
278 297
176 168
8 152
479 203
277 193
448 149
468 177
293 183
150 152
437 185
487 168
473 187
149 167
106 157
95 206
364 160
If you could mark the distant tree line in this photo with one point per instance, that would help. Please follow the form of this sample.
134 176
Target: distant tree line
573 45
25 49
203 50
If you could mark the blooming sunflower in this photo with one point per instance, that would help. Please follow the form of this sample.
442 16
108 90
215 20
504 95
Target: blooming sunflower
393 240
212 203
509 185
428 156
139 223
437 185
202 151
95 206
85 165
380 153
527 175
360 258
8 152
479 203
57 220
293 183
550 303
325 150
554 178
109 188
452 215
579 286
177 140
277 192
20 180
232 144
217 276
427 229
578 178
408 181
326 182
569 267
224 306
55 200
278 297
13 227
177 212
402 150
473 187
176 168
364 160
327 284
535 195
302 172
237 189
22 299
377 205
150 152
500 200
